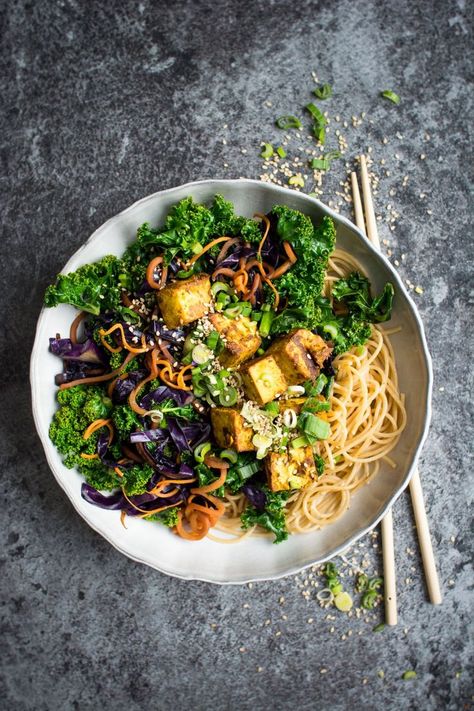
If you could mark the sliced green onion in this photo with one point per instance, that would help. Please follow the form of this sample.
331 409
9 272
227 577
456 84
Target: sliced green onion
410 674
266 323
319 164
260 351
221 286
379 627
288 121
185 274
343 601
319 133
296 180
374 583
331 328
391 96
229 454
201 354
316 113
232 311
212 340
332 155
272 408
267 151
248 470
323 92
201 451
319 384
189 343
313 427
281 152
228 397
299 442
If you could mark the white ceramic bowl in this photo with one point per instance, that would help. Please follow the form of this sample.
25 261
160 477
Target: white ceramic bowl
251 559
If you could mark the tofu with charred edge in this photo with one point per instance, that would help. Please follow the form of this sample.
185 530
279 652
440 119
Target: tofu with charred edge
292 470
300 355
184 301
240 336
230 430
262 379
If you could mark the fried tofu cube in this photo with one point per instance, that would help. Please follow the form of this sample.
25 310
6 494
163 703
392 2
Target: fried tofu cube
262 379
184 301
317 347
240 337
299 355
293 470
230 430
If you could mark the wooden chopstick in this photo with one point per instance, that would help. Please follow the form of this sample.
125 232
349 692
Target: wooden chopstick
424 539
388 551
416 491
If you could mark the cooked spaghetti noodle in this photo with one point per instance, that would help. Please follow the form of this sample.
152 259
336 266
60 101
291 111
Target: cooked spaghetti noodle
367 416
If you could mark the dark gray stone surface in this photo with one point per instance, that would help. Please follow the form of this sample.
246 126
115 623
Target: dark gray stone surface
103 103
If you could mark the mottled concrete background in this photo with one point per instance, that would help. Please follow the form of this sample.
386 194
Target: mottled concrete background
103 103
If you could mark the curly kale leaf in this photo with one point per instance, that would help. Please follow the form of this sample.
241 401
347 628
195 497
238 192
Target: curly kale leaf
93 288
79 406
125 421
354 291
102 478
272 518
228 223
135 478
188 227
302 285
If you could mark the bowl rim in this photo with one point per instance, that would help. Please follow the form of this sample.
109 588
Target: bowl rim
48 447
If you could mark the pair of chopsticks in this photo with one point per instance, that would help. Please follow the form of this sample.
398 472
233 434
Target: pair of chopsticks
369 227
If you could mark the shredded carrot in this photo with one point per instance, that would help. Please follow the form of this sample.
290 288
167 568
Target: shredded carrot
123 514
213 486
251 296
150 273
182 374
277 295
209 246
266 221
198 530
281 269
118 471
96 425
230 243
119 327
89 456
75 325
223 271
261 267
143 511
152 365
167 482
289 252
99 378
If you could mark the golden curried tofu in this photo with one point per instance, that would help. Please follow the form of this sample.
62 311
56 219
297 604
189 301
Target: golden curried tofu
240 336
293 470
299 354
263 379
184 301
230 430
318 348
